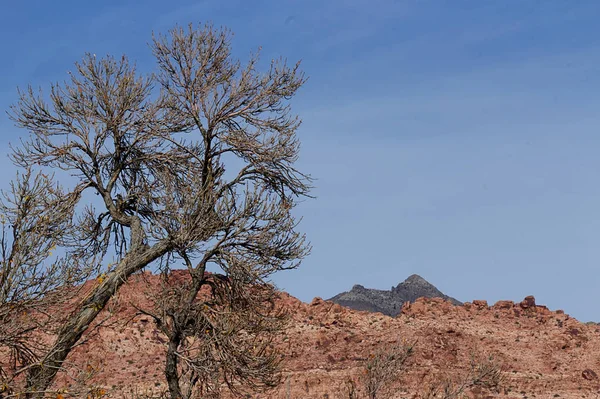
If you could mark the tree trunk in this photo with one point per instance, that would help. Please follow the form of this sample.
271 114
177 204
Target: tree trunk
40 377
171 367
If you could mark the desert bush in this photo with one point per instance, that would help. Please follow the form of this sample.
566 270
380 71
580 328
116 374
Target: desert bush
383 367
484 372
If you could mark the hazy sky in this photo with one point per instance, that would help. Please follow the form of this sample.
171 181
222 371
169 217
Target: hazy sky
453 139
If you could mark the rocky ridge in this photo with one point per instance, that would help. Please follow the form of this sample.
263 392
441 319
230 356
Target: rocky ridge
543 353
389 302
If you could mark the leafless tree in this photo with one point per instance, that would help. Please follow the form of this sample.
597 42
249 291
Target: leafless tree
221 338
194 165
35 218
238 112
383 367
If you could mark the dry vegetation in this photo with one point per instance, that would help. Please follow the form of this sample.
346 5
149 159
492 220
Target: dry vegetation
484 372
191 166
383 369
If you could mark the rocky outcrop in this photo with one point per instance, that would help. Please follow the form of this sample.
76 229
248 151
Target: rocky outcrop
528 302
390 302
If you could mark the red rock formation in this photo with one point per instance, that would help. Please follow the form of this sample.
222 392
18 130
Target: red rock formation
544 353
503 305
528 302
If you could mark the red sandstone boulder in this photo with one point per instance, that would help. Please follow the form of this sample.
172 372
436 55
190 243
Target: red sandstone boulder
528 302
480 304
317 301
503 305
589 374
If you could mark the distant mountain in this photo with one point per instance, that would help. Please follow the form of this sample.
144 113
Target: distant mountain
389 302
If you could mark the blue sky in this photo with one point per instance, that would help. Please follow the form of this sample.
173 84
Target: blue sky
453 139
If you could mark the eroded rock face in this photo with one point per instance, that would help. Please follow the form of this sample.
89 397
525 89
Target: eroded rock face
389 302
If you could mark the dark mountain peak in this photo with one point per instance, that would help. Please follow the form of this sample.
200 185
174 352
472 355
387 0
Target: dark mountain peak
389 302
415 279
417 285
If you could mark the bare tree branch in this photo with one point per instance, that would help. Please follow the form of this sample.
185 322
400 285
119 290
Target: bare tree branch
193 165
